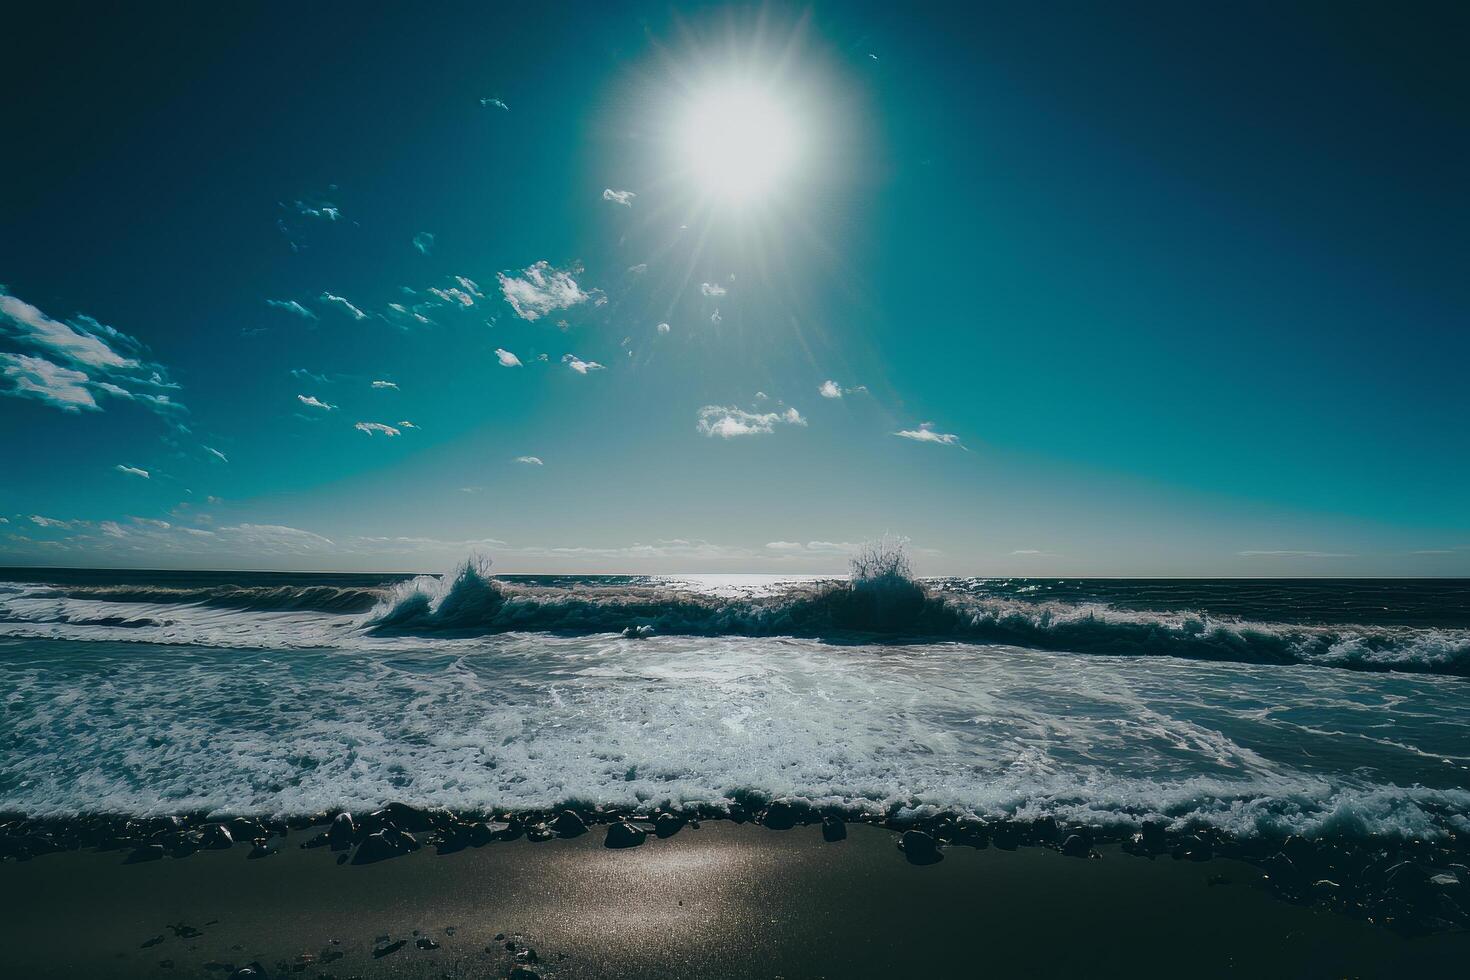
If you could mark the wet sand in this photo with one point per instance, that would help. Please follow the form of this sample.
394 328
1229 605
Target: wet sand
725 900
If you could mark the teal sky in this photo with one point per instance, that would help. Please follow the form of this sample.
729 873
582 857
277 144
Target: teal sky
1081 289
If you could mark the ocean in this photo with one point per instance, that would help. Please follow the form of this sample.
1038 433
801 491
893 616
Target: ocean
1253 707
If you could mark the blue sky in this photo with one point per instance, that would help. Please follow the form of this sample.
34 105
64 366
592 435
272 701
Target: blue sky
1091 290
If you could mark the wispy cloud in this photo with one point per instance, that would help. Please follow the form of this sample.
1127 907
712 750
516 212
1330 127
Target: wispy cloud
291 306
638 269
216 453
1292 553
728 422
132 471
75 360
541 289
312 401
507 359
65 339
625 198
530 460
712 289
580 366
344 305
36 377
495 104
424 242
715 318
372 427
925 433
385 384
664 328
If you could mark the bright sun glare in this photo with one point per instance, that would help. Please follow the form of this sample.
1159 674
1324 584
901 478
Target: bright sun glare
738 141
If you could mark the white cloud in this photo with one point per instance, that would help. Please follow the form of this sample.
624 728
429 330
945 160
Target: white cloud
215 452
291 306
638 269
730 422
663 328
784 545
41 521
312 401
36 377
343 304
625 198
371 427
385 384
424 242
407 425
530 460
539 290
580 366
66 339
507 359
495 103
712 289
77 359
925 433
453 295
404 317
132 471
715 317
1288 553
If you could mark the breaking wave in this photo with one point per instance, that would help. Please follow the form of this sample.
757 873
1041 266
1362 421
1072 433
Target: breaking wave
882 599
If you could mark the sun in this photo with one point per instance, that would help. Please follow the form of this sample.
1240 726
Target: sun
737 141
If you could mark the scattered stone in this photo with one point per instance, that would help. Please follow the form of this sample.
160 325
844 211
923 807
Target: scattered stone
919 847
667 825
260 850
779 815
217 837
521 973
318 840
381 951
569 824
833 829
148 943
342 832
624 834
424 942
1076 846
251 971
1444 881
381 846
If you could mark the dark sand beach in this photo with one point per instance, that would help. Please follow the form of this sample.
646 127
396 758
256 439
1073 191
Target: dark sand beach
725 899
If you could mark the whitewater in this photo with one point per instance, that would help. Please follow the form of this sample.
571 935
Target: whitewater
1323 708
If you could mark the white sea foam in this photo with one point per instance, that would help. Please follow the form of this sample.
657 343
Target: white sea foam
531 720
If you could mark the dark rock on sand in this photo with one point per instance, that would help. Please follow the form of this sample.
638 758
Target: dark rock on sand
260 850
919 847
569 824
152 942
667 825
521 973
342 832
251 971
1076 846
411 818
779 815
833 829
623 834
217 837
481 834
383 845
424 942
386 950
148 852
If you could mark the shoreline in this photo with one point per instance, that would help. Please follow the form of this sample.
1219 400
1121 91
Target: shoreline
716 898
1408 886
